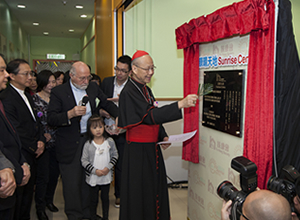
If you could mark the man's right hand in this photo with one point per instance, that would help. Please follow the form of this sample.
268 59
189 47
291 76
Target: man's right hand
8 183
188 101
76 111
226 209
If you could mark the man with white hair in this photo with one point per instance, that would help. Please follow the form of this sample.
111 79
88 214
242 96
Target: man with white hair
69 111
144 193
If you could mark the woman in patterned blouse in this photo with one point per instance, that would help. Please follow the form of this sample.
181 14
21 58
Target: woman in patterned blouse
47 171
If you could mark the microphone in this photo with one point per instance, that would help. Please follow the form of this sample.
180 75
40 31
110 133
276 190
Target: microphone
84 100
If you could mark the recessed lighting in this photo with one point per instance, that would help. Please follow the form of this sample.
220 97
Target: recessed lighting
83 16
71 30
21 6
79 6
36 23
46 33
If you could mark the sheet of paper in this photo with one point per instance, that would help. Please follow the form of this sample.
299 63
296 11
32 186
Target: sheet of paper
179 138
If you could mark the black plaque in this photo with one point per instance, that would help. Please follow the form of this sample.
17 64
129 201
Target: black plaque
222 109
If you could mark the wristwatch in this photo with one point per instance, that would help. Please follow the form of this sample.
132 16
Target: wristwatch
27 165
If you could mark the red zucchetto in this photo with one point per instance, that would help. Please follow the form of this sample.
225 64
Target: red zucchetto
139 53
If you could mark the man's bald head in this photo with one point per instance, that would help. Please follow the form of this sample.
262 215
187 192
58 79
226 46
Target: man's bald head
80 75
79 66
266 205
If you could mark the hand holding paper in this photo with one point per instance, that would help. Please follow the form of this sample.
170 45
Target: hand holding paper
179 138
165 146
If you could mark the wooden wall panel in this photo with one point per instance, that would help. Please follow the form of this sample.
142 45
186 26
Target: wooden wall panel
104 37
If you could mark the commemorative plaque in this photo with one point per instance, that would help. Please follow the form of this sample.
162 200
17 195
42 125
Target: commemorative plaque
222 108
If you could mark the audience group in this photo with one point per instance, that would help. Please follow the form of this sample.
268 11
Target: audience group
40 112
56 124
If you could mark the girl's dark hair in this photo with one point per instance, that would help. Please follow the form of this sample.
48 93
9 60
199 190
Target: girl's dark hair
95 120
42 79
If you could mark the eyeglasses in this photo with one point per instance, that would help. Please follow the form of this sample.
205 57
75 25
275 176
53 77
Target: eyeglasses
241 213
147 69
121 70
88 78
27 74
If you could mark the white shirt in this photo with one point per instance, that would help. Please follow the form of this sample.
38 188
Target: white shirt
101 160
118 89
79 94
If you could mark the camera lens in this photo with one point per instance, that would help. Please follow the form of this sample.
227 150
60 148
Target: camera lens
226 190
276 185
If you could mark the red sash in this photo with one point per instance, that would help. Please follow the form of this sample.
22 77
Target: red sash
142 133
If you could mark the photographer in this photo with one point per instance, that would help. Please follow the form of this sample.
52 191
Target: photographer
261 204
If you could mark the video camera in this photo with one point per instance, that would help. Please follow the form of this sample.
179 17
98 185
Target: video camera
248 183
288 185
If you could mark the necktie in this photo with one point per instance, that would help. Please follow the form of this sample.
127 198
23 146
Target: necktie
3 112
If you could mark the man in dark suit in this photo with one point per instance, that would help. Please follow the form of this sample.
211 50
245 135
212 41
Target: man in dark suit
11 148
68 114
112 87
19 109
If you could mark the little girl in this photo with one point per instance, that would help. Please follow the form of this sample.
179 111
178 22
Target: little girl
98 158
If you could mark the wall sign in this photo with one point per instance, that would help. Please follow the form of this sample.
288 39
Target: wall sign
222 109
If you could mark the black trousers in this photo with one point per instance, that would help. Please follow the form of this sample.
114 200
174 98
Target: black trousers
42 178
7 214
53 175
25 193
75 189
94 194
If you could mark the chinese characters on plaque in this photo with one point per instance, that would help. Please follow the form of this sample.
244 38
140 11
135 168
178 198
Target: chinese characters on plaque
222 108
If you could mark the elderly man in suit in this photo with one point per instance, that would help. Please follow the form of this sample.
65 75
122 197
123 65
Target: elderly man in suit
68 113
112 87
19 110
11 148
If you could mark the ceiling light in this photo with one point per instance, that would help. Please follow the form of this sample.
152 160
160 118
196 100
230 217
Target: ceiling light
46 33
79 6
36 23
21 6
83 16
71 30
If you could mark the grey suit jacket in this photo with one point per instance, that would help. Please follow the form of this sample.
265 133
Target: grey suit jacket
4 162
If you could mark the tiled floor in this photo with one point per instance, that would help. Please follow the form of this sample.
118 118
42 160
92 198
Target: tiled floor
178 205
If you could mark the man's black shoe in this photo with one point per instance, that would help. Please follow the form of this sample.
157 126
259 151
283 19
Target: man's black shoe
41 215
52 207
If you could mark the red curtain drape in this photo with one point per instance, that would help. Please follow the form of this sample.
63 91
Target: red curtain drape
257 17
191 115
258 141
